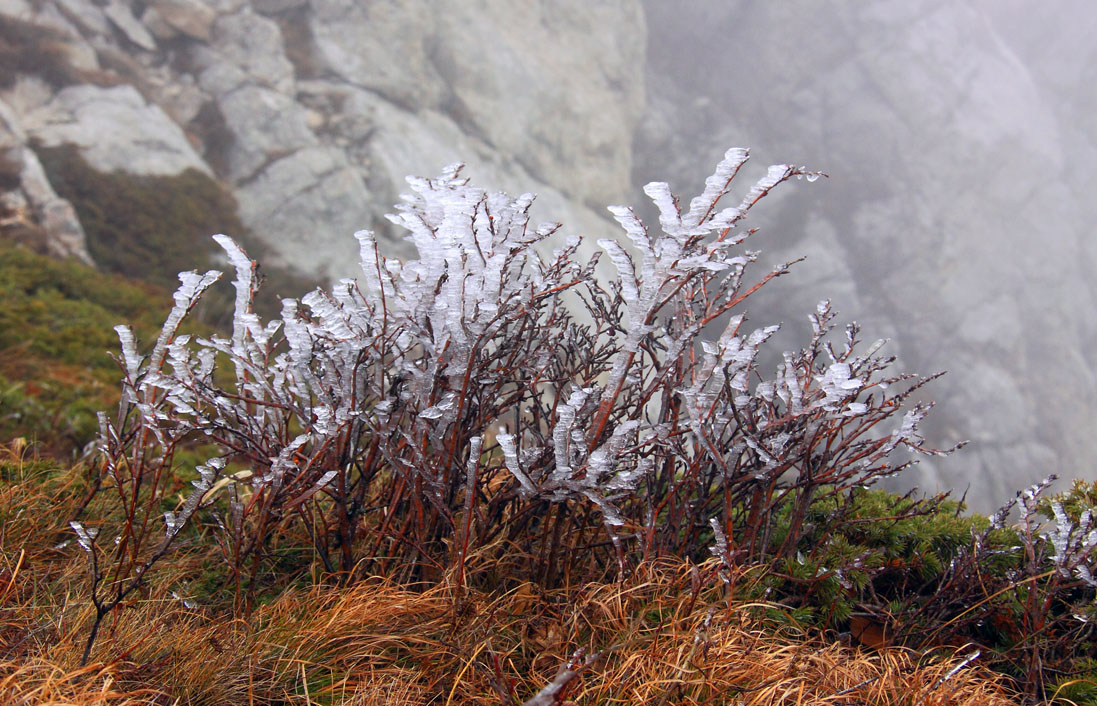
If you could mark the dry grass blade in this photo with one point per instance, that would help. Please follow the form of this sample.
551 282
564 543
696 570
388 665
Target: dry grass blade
36 682
380 643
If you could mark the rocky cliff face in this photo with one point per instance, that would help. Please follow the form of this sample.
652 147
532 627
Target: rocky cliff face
313 112
956 220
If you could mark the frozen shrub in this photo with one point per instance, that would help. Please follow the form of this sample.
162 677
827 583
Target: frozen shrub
493 399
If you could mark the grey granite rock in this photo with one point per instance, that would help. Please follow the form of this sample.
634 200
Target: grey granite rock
556 87
88 16
19 9
382 46
34 201
120 14
253 44
265 125
193 18
115 129
304 205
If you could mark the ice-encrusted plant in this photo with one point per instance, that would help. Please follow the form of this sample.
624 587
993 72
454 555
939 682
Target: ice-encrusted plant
1054 586
1022 584
497 397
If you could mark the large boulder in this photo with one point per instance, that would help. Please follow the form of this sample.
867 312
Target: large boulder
264 125
306 205
121 15
115 129
556 88
253 44
193 18
28 203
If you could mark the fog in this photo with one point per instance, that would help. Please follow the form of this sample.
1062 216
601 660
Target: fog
958 217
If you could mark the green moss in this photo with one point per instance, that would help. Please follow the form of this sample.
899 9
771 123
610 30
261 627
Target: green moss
57 318
143 227
65 311
875 554
153 227
1082 496
56 337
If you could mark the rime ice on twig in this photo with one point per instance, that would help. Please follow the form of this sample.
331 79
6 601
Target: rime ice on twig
86 536
611 390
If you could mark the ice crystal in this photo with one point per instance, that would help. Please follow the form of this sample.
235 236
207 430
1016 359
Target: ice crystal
85 536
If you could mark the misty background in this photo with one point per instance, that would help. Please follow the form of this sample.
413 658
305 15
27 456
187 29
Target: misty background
957 219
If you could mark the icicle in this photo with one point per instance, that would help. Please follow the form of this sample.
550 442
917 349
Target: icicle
670 219
774 176
838 383
720 548
172 524
85 536
510 458
634 228
625 270
130 359
447 404
716 185
604 459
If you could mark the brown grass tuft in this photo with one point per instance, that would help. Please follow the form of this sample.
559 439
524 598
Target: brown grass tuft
671 633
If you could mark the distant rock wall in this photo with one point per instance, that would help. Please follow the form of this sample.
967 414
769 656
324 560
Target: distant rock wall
958 219
31 212
313 112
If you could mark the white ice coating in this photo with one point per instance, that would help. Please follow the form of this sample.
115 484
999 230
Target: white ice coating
130 359
838 384
243 320
716 185
510 458
720 545
447 404
604 460
172 524
670 219
399 348
1072 544
625 271
774 176
191 287
85 536
562 433
908 430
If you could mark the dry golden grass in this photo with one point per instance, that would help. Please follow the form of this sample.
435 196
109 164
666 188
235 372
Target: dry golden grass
670 634
377 643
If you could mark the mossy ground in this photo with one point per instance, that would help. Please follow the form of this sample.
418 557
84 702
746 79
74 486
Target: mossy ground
153 227
56 339
57 318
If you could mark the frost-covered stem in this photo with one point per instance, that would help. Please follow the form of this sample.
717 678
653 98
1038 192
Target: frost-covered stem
554 690
605 407
125 586
471 485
